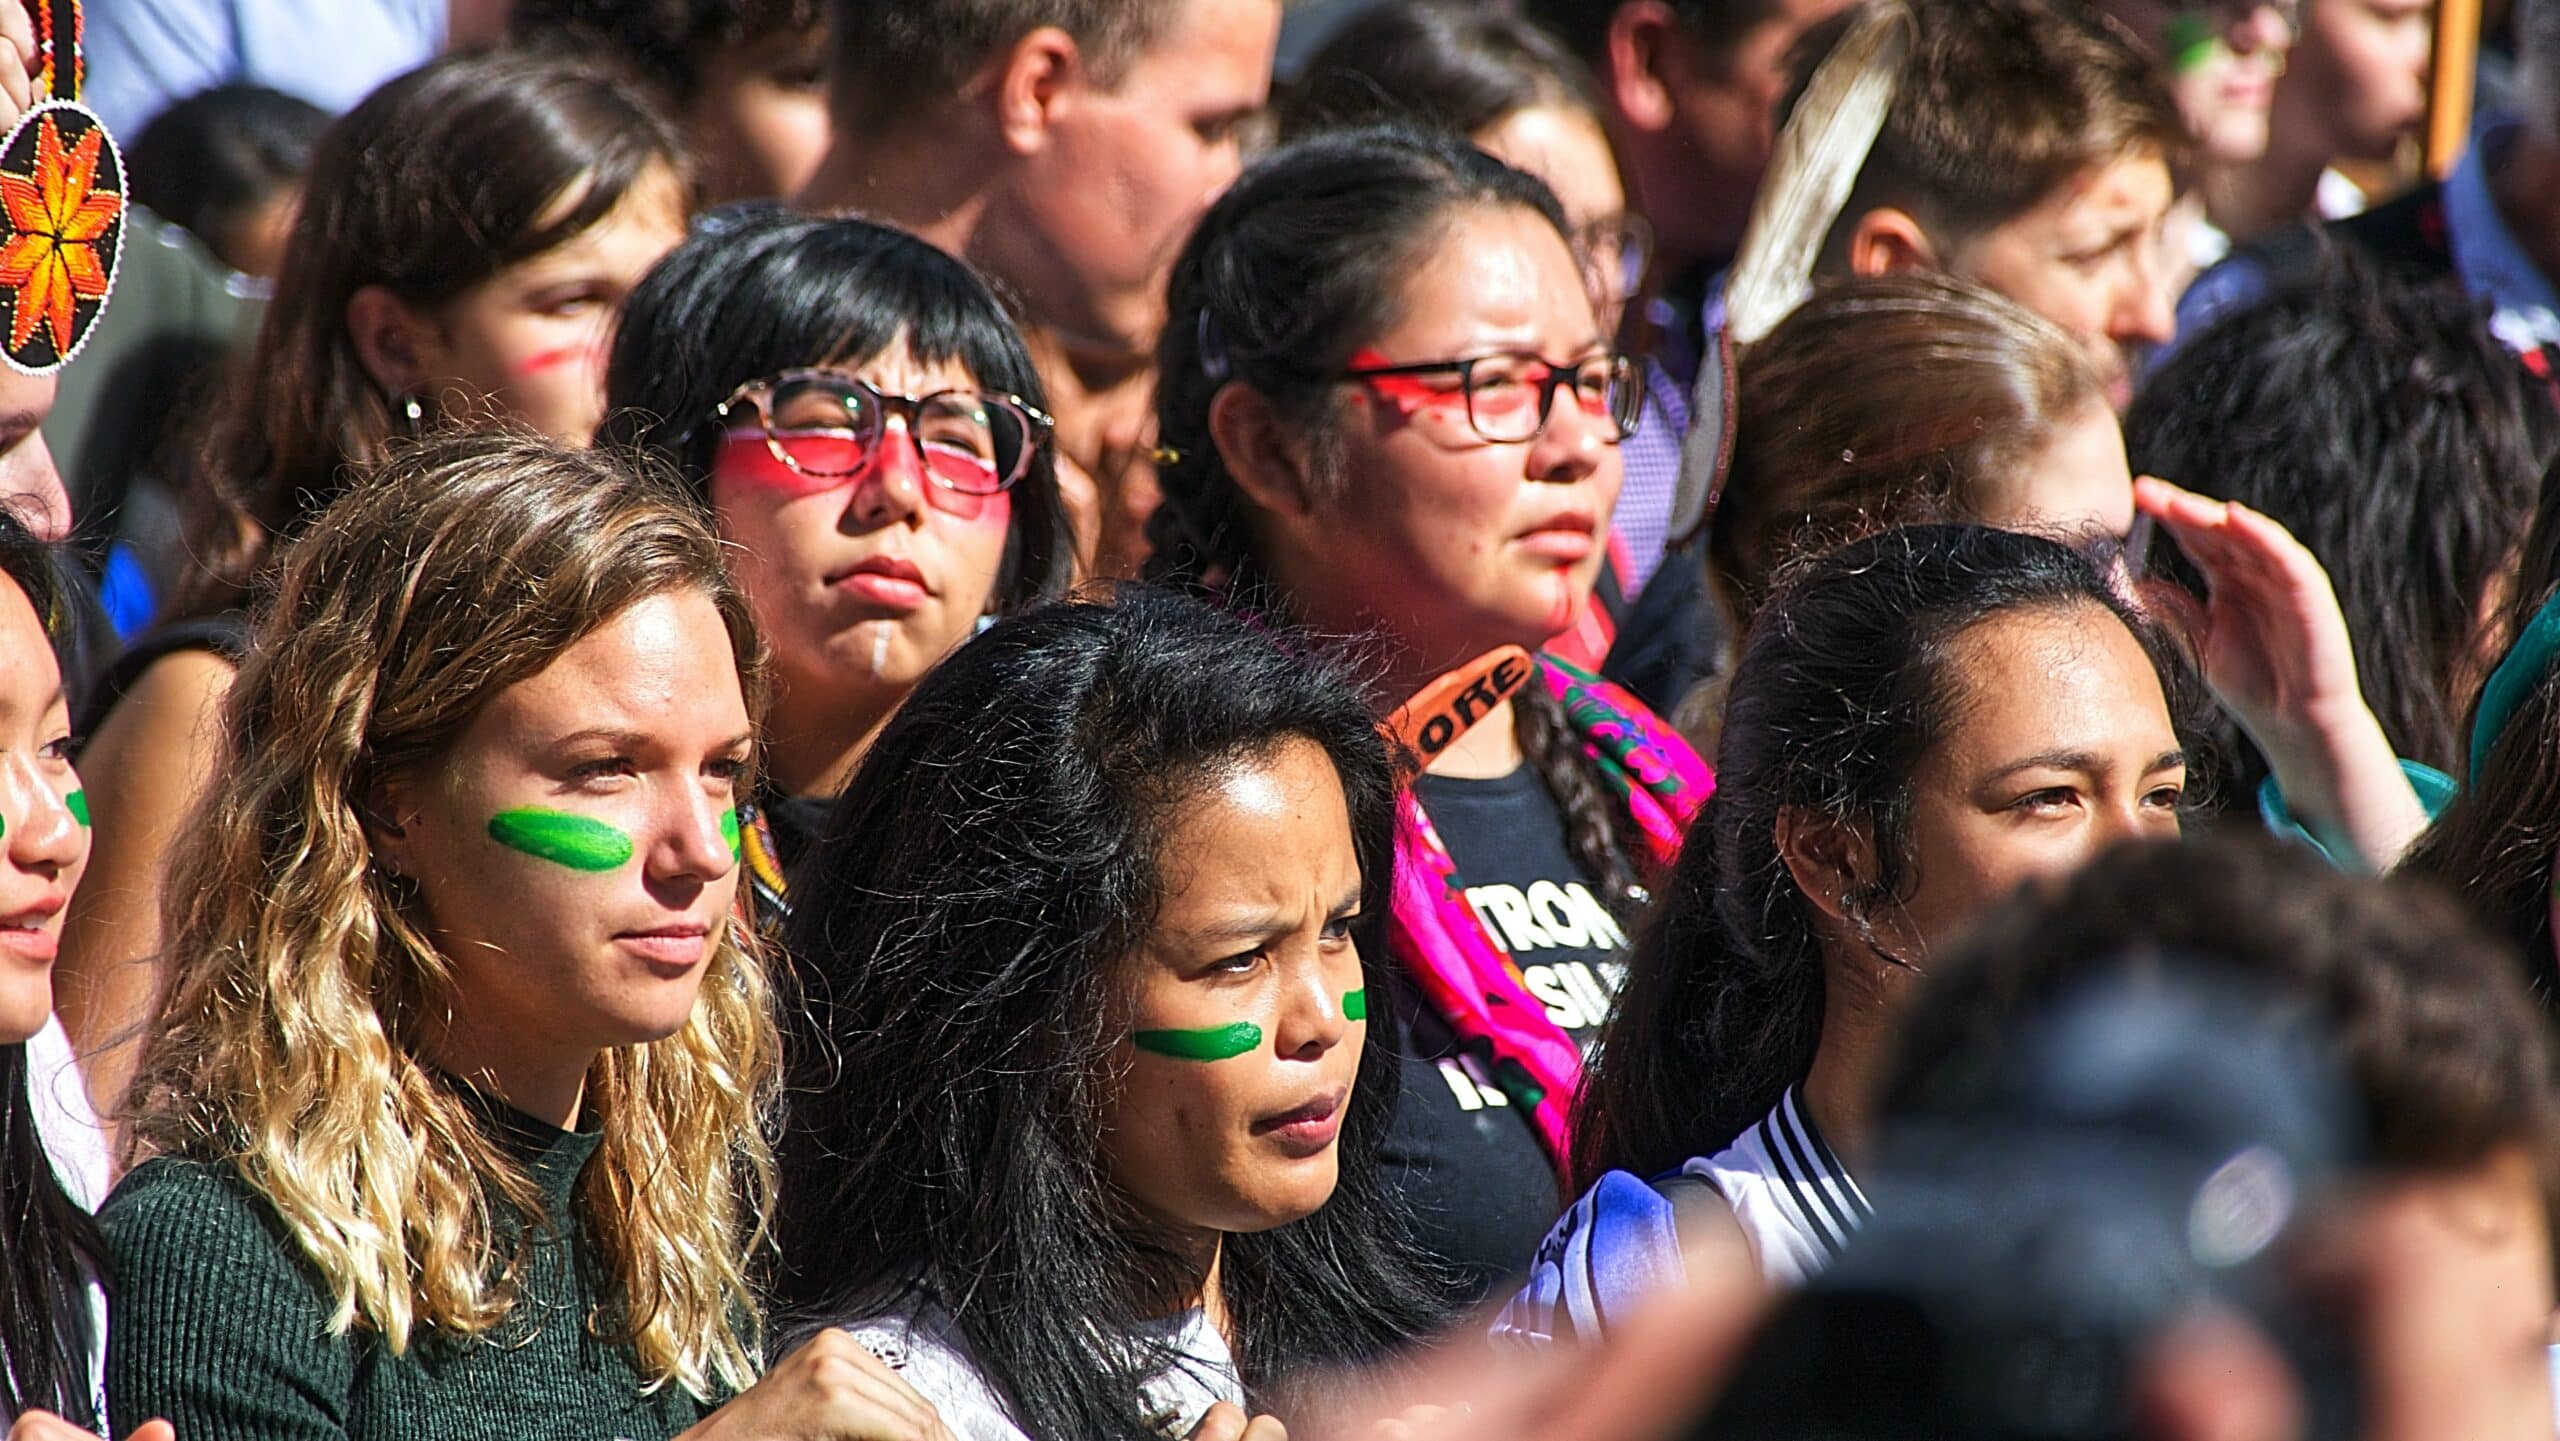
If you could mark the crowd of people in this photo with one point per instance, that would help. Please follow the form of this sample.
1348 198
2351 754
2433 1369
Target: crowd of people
1027 720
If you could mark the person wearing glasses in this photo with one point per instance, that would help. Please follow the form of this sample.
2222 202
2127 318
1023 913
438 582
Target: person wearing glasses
865 427
1389 411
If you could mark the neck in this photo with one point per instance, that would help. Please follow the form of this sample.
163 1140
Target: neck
1858 1027
2522 187
546 1086
813 742
2282 189
928 190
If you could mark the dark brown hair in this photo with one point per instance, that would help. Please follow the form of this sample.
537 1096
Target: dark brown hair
2430 1024
894 61
2002 101
439 180
1883 402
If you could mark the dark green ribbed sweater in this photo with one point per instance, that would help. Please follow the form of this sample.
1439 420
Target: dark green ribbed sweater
222 1325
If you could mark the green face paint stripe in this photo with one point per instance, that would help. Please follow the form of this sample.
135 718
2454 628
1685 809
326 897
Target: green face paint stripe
729 831
2188 40
1355 1005
1209 1043
573 841
78 801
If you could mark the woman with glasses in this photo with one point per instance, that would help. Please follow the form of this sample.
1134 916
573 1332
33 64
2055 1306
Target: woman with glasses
864 425
1390 411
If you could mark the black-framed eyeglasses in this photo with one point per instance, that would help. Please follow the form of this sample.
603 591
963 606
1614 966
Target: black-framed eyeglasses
830 424
1508 395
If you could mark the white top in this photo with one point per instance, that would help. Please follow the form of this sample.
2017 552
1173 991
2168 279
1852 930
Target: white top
76 1143
1793 1198
929 1352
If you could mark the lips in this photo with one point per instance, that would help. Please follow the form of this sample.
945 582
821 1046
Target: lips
1564 538
1308 1129
670 949
886 581
23 933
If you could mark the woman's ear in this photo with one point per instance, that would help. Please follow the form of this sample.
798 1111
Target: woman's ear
1266 459
1831 859
397 345
385 814
1886 241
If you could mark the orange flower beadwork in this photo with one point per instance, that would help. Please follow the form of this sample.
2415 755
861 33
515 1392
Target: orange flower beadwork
59 217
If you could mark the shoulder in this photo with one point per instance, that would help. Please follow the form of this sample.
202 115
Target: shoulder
172 1218
1616 1245
928 1352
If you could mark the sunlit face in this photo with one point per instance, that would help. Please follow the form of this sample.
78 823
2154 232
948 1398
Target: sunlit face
529 343
44 822
1455 544
2061 746
2221 58
758 121
1564 146
29 485
2076 484
575 852
1129 170
860 585
2359 74
2088 257
1249 1005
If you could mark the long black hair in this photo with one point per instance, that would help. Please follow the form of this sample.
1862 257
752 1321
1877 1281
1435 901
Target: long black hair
2494 845
1303 261
1841 691
2381 422
45 1239
757 289
1452 65
981 879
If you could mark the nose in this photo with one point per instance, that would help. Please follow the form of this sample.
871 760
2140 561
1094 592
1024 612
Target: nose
44 834
698 840
2260 27
2143 313
1316 1015
32 487
1572 444
891 491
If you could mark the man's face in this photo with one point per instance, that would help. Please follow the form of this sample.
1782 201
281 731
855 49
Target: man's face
2088 258
1129 170
1726 117
29 485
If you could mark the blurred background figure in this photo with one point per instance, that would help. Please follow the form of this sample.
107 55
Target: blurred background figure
746 80
145 57
2353 97
226 165
2222 59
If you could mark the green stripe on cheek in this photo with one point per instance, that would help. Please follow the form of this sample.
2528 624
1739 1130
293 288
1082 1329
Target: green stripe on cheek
78 801
1355 1005
729 831
573 841
1209 1043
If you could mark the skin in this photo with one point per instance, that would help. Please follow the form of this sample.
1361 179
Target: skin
43 843
1448 544
2060 747
2224 90
2360 72
29 485
528 344
1695 127
2077 483
1564 146
641 726
758 120
796 554
2088 258
1262 885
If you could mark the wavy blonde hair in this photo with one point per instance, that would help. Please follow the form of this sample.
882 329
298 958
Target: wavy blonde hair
286 1040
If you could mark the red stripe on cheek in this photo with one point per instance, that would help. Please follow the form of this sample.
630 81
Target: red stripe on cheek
745 458
992 511
587 350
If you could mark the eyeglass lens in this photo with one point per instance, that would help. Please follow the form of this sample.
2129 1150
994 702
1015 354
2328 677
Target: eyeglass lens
976 444
1508 395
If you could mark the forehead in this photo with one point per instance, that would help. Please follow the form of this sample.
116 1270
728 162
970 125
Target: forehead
1210 56
1259 826
2055 678
897 368
2130 192
662 665
30 680
1491 276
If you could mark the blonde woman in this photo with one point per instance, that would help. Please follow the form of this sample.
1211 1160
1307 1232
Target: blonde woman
450 1123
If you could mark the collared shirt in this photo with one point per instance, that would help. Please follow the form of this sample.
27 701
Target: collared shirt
1650 458
145 55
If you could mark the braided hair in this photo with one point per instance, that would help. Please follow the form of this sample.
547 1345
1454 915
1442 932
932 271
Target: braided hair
1299 264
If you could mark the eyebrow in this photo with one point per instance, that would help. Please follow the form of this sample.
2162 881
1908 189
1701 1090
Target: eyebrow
625 737
2083 761
1264 924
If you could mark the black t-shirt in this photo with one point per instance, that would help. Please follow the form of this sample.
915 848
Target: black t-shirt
1476 1182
